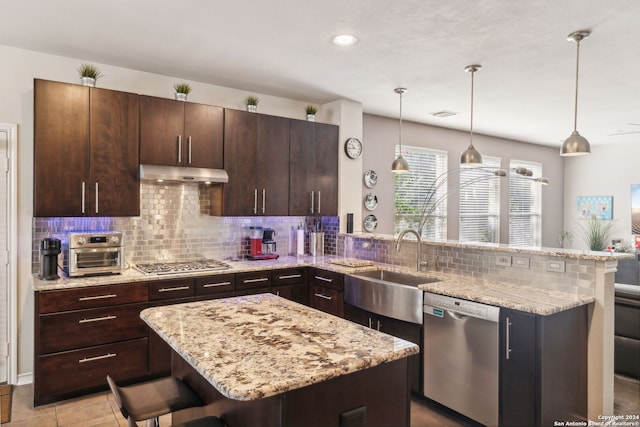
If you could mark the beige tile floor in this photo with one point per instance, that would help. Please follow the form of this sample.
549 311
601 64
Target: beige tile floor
99 410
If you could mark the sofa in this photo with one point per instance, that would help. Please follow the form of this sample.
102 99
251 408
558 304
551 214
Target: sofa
627 318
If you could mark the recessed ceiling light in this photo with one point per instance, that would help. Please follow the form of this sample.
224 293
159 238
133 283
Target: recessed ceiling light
344 40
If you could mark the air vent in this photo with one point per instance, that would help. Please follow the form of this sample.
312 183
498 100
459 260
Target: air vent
443 114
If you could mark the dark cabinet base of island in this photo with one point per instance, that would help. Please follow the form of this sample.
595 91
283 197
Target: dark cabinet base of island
377 396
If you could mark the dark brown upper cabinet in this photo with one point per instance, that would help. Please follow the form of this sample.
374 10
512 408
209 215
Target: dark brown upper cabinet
177 133
313 172
85 151
256 157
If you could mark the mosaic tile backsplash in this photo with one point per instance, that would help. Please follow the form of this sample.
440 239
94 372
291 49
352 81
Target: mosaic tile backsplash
175 225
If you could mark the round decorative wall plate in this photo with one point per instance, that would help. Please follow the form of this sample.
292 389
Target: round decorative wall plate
370 223
370 201
370 178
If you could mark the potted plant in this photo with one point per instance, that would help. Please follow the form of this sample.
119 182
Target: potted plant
596 233
89 74
311 113
252 103
182 90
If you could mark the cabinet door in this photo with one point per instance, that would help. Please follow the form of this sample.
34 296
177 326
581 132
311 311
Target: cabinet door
240 157
302 157
114 189
161 131
61 148
272 165
203 129
326 299
326 174
518 373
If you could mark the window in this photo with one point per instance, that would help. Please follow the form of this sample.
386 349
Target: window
417 192
525 206
480 202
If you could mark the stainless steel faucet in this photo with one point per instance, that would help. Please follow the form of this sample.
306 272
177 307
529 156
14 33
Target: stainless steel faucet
403 233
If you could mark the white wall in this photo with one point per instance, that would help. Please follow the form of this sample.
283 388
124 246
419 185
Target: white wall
607 171
19 68
382 133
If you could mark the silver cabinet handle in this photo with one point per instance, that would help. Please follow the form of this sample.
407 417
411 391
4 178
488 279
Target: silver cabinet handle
255 200
177 288
179 148
318 201
189 146
96 319
370 322
379 325
290 276
96 196
324 297
312 202
324 279
92 359
261 279
507 333
97 297
264 198
211 285
82 198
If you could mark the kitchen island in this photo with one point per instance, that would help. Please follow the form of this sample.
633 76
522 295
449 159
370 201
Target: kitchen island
263 360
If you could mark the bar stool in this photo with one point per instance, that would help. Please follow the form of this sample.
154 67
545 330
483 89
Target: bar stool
148 400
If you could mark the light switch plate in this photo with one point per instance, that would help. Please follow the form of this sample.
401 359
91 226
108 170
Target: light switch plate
503 260
520 262
556 266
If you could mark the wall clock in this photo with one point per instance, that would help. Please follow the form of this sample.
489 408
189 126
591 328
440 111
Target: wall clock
353 148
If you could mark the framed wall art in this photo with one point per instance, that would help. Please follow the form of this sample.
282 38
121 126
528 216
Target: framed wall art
635 208
600 207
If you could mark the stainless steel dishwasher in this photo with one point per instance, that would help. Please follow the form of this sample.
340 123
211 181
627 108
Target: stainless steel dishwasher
461 356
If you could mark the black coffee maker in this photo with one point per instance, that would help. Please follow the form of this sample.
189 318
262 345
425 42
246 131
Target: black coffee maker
50 248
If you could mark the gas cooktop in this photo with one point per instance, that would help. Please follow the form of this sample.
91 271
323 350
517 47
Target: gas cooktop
182 266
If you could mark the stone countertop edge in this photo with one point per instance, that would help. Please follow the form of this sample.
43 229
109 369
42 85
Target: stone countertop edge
500 247
518 297
256 346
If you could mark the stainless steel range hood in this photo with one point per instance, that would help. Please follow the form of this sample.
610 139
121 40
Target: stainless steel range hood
182 174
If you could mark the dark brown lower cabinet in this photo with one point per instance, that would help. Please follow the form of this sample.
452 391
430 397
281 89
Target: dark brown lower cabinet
543 367
326 291
398 328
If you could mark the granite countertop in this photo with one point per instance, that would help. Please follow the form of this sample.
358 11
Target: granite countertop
256 346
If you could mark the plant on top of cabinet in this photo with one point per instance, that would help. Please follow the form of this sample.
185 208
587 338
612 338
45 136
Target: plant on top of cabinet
252 103
311 113
182 90
89 74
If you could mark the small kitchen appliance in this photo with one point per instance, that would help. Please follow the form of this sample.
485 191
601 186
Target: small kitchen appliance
50 248
255 242
96 253
263 247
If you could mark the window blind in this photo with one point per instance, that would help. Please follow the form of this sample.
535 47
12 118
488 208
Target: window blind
480 203
525 206
418 191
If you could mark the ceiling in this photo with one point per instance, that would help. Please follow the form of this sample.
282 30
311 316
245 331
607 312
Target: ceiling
525 90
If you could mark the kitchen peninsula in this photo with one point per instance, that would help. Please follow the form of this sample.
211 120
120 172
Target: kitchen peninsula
263 360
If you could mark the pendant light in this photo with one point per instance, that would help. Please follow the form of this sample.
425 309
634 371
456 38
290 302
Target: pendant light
400 165
471 156
576 144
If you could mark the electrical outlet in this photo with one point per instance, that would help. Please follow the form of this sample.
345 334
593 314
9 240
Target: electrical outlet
520 262
503 260
556 266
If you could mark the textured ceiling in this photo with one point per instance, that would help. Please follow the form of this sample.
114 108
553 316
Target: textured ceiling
525 90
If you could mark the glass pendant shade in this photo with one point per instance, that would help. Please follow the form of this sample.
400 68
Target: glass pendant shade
576 144
400 165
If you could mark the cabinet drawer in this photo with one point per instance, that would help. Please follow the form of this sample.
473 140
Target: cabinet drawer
289 276
86 328
326 299
326 278
216 284
169 289
253 280
72 371
91 297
